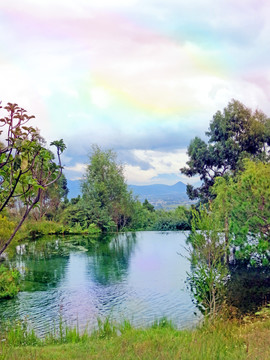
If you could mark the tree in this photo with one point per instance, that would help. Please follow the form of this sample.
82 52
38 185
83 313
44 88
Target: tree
208 251
249 197
50 199
27 168
177 219
234 134
105 196
222 206
142 217
147 205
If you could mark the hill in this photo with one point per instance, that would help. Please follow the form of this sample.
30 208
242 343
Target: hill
160 195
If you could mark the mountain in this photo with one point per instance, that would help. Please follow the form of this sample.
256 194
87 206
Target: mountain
160 195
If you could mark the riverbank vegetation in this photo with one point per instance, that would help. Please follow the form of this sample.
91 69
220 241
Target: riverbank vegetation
218 339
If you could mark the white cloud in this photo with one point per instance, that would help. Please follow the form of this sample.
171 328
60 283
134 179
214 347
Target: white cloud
160 163
77 168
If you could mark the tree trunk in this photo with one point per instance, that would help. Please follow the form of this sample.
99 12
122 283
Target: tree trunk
27 211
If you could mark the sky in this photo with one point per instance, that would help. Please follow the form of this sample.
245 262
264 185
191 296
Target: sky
141 77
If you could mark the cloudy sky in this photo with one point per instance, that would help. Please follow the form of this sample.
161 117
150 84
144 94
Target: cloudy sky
142 77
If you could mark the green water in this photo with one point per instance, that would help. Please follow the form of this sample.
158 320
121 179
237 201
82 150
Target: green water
136 276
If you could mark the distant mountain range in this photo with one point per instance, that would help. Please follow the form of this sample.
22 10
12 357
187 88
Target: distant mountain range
160 195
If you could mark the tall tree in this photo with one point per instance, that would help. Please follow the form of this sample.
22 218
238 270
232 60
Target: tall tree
104 191
27 168
234 134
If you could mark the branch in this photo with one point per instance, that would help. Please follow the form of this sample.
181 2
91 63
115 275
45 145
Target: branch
11 192
27 211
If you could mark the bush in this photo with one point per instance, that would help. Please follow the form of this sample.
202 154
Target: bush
6 229
9 280
209 271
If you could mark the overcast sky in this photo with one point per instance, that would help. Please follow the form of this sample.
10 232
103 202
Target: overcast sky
142 77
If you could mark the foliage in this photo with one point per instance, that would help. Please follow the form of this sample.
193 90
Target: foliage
106 200
209 272
27 168
178 219
32 229
146 204
142 217
248 207
36 229
6 229
264 312
78 213
9 281
234 134
50 204
222 207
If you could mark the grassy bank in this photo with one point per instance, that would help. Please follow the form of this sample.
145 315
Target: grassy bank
222 339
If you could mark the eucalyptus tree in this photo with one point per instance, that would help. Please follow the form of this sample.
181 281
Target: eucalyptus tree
234 134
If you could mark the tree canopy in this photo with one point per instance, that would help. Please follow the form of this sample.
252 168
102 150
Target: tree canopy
234 134
105 195
248 211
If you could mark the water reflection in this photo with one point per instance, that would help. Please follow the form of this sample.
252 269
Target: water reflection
42 264
136 276
109 259
249 288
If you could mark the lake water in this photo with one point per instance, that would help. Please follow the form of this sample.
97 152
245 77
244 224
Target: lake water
136 276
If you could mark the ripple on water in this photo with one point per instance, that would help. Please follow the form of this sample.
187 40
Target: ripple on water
140 279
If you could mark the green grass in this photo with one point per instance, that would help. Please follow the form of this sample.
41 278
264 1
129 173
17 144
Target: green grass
33 230
220 339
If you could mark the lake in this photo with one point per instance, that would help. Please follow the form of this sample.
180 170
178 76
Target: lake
137 276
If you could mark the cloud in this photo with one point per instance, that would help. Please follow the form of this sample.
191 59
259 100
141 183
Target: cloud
145 167
75 172
161 165
142 77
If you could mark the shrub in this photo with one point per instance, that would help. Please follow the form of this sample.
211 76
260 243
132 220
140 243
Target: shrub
9 280
6 229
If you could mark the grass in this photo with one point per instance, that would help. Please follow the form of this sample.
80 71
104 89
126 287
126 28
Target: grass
32 230
217 340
